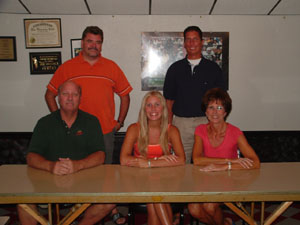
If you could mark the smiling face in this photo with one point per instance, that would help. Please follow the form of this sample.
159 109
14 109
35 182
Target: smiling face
193 45
215 112
69 97
153 108
91 45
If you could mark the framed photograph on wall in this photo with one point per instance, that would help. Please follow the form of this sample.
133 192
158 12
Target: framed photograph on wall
161 49
43 33
216 48
75 47
8 50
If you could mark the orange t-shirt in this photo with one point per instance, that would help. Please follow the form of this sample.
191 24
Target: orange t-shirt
98 82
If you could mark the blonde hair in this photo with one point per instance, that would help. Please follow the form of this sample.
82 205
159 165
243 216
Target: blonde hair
143 139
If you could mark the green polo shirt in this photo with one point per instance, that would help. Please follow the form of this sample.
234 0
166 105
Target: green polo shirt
53 139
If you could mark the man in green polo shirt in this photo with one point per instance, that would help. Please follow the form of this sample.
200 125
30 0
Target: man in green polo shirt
66 141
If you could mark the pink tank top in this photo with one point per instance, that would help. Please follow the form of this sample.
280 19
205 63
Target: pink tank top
227 149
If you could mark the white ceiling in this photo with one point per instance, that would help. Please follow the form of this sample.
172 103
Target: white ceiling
151 7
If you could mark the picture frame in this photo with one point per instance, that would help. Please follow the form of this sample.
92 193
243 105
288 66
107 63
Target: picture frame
44 62
43 33
216 48
161 49
75 47
8 50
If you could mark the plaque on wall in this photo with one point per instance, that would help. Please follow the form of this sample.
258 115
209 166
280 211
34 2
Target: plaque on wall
8 49
44 62
42 33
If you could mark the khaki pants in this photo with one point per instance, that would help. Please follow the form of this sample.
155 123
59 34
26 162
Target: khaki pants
186 126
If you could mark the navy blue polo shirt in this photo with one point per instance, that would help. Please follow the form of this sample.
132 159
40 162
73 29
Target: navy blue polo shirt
187 87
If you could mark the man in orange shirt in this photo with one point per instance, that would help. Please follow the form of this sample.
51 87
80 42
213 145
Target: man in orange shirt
99 79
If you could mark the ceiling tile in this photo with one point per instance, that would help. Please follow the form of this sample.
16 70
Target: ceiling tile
60 7
243 7
11 6
287 7
119 7
180 7
158 7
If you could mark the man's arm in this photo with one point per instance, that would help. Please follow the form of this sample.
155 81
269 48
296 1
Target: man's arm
50 100
124 106
94 159
220 79
60 167
39 162
170 112
65 165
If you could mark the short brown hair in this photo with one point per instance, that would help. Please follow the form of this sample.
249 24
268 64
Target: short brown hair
93 30
217 94
192 28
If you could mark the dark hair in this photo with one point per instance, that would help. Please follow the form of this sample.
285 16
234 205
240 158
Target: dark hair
217 94
93 30
193 28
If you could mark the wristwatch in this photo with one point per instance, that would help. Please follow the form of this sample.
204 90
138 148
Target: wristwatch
121 123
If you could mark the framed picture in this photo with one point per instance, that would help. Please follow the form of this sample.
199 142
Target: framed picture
216 48
8 48
44 62
75 47
43 33
161 49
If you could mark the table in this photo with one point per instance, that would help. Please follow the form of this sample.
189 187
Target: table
121 184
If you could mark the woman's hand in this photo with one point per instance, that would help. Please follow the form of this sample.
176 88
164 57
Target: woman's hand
169 158
214 168
244 162
140 161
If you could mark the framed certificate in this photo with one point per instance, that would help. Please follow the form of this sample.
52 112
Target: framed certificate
8 48
43 33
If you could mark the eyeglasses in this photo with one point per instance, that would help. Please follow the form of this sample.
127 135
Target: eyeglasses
218 108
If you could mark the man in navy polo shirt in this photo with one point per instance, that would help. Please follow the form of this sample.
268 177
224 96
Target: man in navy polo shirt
186 82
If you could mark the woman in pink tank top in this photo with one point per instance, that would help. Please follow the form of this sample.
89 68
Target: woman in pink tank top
151 142
215 149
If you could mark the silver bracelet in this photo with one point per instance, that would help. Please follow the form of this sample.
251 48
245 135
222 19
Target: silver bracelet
229 165
149 163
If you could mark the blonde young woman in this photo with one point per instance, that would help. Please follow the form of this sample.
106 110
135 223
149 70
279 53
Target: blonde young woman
215 148
151 142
